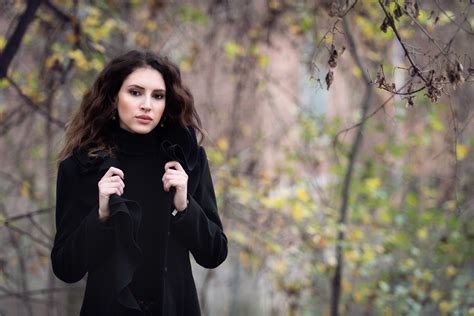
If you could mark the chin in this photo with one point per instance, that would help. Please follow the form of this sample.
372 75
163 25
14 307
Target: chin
143 129
140 129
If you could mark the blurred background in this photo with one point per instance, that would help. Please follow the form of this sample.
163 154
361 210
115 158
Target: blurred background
339 134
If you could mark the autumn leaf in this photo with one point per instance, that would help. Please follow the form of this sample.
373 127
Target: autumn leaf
329 78
461 151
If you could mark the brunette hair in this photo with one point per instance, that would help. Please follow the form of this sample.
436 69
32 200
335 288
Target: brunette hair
90 127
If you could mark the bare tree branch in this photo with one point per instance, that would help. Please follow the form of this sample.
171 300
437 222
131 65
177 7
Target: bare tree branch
365 104
14 42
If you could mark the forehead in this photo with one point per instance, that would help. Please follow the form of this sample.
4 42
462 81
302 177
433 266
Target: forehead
148 78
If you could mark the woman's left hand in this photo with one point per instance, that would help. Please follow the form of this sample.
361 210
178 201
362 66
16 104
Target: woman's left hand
179 179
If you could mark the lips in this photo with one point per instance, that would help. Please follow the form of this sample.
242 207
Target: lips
144 117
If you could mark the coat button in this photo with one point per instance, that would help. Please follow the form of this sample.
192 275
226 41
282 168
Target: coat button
165 269
169 233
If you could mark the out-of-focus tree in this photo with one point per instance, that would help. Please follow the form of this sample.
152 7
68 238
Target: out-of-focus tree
378 221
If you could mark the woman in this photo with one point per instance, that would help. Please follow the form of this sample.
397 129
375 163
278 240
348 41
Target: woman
135 194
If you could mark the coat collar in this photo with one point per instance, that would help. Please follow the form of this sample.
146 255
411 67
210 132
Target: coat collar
174 142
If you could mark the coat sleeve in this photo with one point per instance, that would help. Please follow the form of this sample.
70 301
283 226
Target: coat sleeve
81 240
199 225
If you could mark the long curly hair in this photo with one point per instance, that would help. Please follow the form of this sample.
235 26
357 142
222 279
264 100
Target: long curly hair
91 126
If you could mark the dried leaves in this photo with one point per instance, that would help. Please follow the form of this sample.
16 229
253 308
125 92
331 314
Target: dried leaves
382 83
329 78
412 8
332 62
455 75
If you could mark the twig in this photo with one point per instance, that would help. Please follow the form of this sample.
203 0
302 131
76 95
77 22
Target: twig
391 22
36 107
14 41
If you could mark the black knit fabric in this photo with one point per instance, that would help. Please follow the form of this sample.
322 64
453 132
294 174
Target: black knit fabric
143 170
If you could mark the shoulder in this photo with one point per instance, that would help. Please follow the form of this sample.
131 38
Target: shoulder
180 143
202 155
79 162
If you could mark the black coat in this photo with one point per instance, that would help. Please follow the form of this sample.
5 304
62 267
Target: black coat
108 252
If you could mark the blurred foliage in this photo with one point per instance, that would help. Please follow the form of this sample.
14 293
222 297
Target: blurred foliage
409 243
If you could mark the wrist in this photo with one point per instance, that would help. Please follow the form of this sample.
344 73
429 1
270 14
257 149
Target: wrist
103 217
180 209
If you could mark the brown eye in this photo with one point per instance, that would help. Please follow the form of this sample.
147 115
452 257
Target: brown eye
134 92
159 96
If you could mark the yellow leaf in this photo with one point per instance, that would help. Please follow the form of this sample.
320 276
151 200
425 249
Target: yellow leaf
428 276
151 25
385 216
461 151
274 4
358 297
445 307
357 234
262 61
372 184
4 83
53 58
91 21
437 124
298 212
223 144
3 42
353 255
79 59
302 194
346 286
275 248
435 295
356 72
451 271
296 29
369 255
25 189
186 64
97 64
280 266
422 233
239 237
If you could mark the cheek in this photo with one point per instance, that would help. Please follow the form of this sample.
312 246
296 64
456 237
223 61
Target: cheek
125 103
161 107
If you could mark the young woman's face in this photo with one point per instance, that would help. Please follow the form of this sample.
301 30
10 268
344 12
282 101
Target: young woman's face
141 100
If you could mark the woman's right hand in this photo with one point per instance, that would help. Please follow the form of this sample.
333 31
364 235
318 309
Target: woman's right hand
111 182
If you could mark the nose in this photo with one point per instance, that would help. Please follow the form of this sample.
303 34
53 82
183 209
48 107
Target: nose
146 104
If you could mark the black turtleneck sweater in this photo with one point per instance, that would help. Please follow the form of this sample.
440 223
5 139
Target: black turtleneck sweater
143 169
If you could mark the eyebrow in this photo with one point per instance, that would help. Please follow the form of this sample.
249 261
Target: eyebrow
140 87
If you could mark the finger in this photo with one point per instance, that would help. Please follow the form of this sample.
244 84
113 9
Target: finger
179 177
174 183
174 164
115 179
166 186
110 191
172 171
110 185
112 171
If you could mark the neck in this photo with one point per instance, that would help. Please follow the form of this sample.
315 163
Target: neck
135 143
